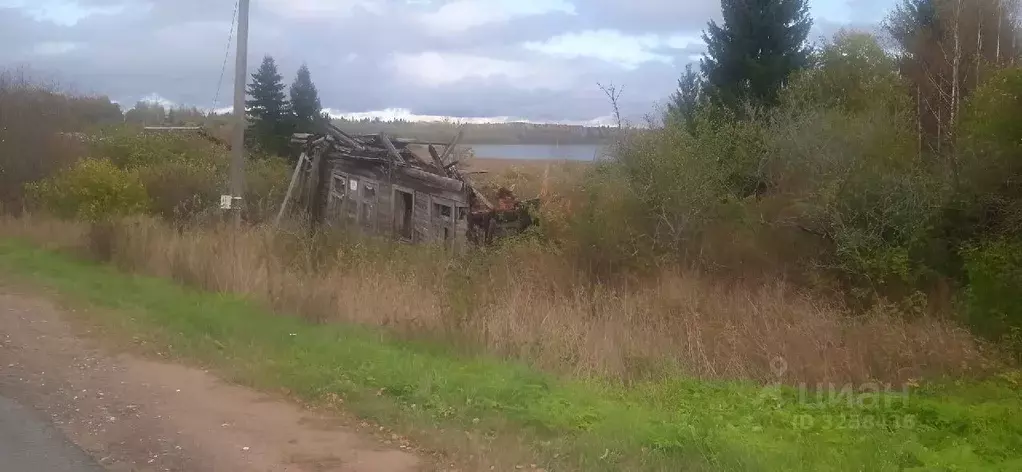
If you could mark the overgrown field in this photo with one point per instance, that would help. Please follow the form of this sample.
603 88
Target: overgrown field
524 302
526 178
519 415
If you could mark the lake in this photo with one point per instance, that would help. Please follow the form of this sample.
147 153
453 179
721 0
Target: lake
574 152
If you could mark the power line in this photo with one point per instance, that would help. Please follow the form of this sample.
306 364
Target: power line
227 55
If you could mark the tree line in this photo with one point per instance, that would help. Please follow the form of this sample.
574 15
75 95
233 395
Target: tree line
944 50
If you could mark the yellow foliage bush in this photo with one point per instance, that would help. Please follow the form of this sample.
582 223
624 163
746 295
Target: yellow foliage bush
92 190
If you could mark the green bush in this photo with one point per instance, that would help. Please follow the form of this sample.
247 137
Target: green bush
128 148
266 180
854 179
92 190
185 173
607 229
853 72
993 301
990 161
181 191
684 182
843 151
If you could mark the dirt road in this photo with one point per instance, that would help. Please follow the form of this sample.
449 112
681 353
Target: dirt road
134 414
28 442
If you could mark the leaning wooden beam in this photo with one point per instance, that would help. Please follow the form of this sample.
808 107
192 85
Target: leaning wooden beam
290 190
436 160
482 198
313 179
420 142
390 148
438 181
453 144
344 137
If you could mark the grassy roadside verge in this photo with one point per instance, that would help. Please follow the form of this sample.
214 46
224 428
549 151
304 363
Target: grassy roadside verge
568 425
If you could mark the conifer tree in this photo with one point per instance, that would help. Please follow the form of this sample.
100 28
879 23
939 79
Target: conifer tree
685 101
753 52
305 102
268 110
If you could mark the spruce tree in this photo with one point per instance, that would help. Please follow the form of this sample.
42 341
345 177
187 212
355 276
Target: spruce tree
685 101
305 101
751 55
268 110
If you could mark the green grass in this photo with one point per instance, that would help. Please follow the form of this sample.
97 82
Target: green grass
680 424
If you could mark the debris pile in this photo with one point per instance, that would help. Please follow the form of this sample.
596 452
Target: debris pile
393 153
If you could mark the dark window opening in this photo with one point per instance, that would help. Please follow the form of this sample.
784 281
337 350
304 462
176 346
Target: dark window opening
339 185
443 211
403 214
338 192
368 205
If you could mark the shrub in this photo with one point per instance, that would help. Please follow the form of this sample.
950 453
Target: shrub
92 190
853 72
180 191
855 179
603 225
185 173
682 182
993 307
266 180
128 148
990 167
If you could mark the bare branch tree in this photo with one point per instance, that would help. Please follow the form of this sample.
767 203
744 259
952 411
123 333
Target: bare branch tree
614 94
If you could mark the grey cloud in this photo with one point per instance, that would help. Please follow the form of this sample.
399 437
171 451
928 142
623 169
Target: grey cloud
643 16
18 32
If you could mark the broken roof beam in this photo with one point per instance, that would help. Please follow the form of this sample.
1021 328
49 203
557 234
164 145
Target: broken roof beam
390 148
417 142
453 144
438 181
343 137
482 198
401 142
437 161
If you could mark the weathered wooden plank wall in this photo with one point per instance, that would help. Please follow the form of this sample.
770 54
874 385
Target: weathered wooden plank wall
421 219
355 209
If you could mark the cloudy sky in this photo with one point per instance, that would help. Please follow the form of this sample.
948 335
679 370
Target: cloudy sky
535 60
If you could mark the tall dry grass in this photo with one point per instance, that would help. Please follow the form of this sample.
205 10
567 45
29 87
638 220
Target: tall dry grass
527 303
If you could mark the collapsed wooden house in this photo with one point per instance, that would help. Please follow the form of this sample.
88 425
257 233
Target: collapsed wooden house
380 185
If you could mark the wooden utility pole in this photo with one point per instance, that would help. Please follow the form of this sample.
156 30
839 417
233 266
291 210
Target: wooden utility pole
238 140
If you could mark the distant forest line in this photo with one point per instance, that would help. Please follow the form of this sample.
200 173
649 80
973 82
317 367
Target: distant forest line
154 114
485 133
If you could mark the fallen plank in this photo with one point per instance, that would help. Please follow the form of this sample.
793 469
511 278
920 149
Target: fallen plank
390 148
